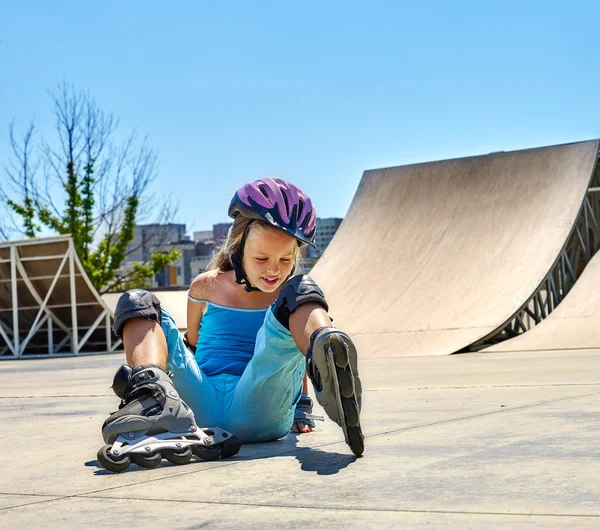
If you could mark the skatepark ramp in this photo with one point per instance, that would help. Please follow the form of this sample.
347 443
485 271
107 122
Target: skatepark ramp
451 256
574 325
175 302
48 306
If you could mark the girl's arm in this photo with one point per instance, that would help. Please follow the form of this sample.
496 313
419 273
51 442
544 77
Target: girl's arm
195 310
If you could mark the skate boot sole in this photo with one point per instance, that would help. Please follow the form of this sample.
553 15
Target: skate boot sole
338 360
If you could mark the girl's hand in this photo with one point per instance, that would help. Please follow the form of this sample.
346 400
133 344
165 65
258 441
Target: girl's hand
301 428
304 418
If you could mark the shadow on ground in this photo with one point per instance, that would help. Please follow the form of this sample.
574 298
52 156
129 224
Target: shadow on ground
311 459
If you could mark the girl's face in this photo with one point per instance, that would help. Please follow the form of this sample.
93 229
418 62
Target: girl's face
268 258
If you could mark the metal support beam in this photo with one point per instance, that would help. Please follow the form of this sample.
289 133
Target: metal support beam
108 331
592 216
91 330
15 301
34 326
37 296
62 343
75 331
52 306
9 342
34 278
50 336
572 274
32 332
7 330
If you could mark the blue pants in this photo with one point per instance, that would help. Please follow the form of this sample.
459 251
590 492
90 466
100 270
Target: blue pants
257 406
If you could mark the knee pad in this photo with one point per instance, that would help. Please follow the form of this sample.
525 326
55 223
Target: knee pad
136 303
296 291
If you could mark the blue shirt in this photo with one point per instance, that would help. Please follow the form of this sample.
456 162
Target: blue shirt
227 338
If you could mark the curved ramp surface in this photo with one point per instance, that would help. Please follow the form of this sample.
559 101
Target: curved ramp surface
48 305
433 257
574 324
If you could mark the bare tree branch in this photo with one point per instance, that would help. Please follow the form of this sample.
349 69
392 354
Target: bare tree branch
91 187
21 174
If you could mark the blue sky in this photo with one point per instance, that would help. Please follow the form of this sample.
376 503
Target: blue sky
314 92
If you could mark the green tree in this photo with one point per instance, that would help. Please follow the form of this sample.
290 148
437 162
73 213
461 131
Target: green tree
90 187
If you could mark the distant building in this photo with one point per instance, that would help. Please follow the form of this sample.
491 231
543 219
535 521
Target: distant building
196 254
198 264
326 229
204 236
220 231
203 249
151 238
147 237
204 252
178 273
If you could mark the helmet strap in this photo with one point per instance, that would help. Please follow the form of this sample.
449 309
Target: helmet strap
237 260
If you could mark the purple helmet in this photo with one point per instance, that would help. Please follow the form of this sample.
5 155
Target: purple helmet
279 203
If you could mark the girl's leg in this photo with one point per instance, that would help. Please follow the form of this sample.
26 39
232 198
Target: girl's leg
150 336
304 321
145 343
261 407
265 397
331 357
153 420
194 387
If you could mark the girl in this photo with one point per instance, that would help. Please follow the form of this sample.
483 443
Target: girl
253 327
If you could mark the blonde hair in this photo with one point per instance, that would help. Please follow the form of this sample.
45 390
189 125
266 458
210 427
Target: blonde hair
231 245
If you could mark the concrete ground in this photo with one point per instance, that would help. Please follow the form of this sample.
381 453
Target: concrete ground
468 441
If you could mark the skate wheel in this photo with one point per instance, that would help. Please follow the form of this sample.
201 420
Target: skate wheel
340 354
178 458
146 460
351 412
231 447
112 463
356 440
210 452
345 381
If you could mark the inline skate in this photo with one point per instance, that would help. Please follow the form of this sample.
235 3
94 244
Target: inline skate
332 366
153 423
